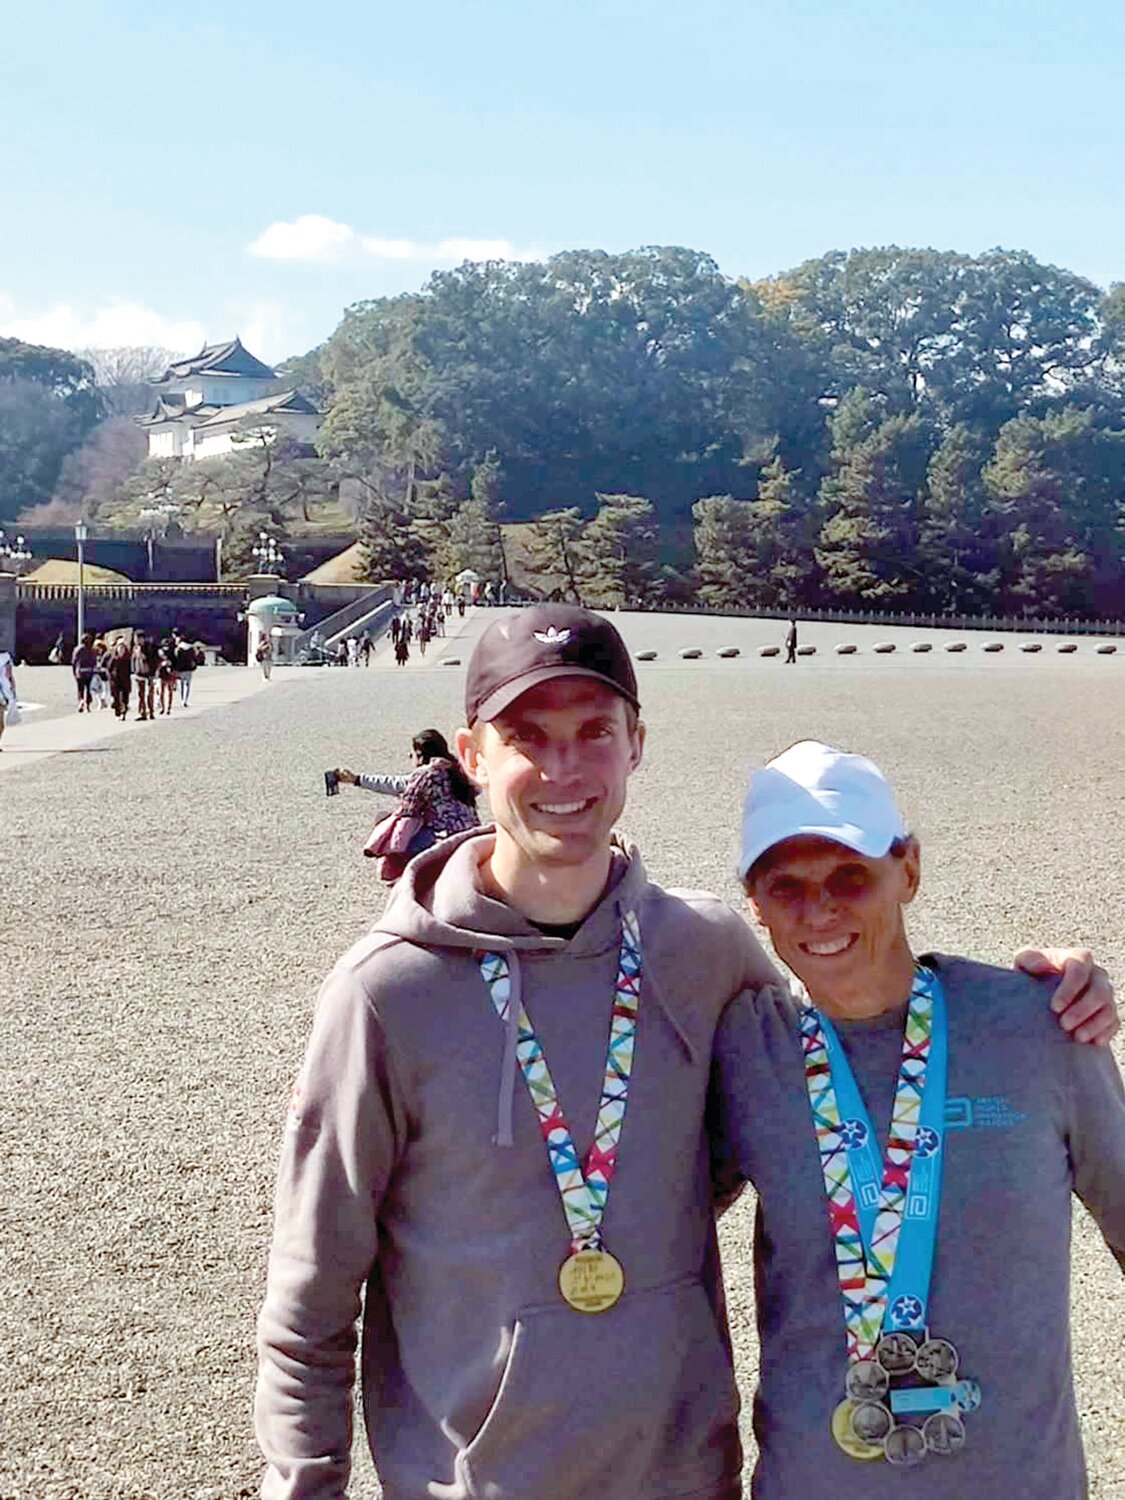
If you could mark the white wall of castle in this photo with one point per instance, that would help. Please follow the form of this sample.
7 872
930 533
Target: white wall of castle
219 390
180 440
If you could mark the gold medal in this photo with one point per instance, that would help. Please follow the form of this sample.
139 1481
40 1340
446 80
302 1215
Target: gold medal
845 1437
591 1280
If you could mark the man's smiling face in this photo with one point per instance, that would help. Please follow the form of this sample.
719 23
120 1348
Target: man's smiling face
555 764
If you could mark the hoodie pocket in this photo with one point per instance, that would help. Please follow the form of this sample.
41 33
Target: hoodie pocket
638 1401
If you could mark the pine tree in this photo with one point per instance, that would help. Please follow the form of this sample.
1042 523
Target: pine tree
390 546
958 546
622 562
754 554
872 504
556 556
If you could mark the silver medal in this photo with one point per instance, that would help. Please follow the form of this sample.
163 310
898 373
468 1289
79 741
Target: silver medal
944 1432
871 1421
904 1447
866 1380
896 1352
936 1361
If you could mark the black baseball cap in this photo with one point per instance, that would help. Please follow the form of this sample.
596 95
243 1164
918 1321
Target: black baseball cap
525 647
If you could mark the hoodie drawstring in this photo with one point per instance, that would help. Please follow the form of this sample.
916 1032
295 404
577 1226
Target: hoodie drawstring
505 1103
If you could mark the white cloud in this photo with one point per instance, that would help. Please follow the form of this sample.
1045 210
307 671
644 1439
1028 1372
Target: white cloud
316 240
116 325
311 237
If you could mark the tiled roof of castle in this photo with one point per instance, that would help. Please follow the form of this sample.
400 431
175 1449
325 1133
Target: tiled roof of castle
284 401
218 359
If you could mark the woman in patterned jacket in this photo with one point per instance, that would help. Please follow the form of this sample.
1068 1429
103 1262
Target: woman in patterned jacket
437 793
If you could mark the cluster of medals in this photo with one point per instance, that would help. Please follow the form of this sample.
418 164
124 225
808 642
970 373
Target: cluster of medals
904 1397
591 1280
869 1423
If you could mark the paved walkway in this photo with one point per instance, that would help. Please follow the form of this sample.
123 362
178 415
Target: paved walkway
54 727
36 738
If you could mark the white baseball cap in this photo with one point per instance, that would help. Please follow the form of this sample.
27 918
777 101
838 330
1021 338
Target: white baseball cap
815 790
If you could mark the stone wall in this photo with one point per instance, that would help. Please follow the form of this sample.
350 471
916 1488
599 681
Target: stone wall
32 616
203 615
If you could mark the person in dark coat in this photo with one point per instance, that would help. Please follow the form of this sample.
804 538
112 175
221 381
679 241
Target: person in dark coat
119 670
146 664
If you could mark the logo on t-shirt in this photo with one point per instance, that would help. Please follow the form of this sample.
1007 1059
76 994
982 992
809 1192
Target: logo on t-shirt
993 1112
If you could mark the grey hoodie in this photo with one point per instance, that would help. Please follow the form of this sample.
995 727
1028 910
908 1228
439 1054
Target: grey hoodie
413 1164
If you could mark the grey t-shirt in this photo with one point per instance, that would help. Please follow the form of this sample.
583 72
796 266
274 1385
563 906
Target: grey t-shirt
1031 1117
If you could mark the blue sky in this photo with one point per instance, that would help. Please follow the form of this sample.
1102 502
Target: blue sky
169 174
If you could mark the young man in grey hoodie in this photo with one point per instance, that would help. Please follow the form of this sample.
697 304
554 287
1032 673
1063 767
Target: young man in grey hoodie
537 1325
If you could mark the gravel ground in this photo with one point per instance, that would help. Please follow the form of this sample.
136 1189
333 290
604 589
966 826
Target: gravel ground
172 903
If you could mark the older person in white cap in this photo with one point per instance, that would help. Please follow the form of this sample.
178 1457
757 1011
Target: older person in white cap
915 1129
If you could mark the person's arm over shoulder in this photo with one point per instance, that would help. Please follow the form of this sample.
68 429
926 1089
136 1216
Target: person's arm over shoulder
1095 1116
390 786
346 1129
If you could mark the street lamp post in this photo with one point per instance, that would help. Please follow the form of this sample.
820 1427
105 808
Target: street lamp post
16 552
81 532
267 554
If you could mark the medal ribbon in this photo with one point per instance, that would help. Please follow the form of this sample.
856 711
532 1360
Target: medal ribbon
583 1186
883 1212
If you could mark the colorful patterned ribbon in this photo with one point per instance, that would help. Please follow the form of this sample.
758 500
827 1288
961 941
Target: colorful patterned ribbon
583 1186
866 1236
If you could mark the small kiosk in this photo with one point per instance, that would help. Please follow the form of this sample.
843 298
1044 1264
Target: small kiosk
278 619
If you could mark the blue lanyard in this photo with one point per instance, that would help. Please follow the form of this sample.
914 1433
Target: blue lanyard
908 1290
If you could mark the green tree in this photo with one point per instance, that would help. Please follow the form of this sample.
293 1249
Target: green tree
37 431
872 507
753 553
968 338
70 379
648 371
556 556
391 547
48 403
622 563
958 541
1058 483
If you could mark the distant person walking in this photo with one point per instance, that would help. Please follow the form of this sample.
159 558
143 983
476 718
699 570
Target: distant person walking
8 699
146 663
185 659
264 656
402 650
119 671
791 643
99 683
84 663
366 647
167 674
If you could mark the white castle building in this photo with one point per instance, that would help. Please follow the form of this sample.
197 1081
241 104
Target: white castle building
202 405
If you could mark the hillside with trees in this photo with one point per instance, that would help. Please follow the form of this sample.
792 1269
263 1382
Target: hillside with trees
897 429
900 429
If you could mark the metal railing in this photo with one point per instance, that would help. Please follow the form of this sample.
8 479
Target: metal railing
1031 625
129 591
